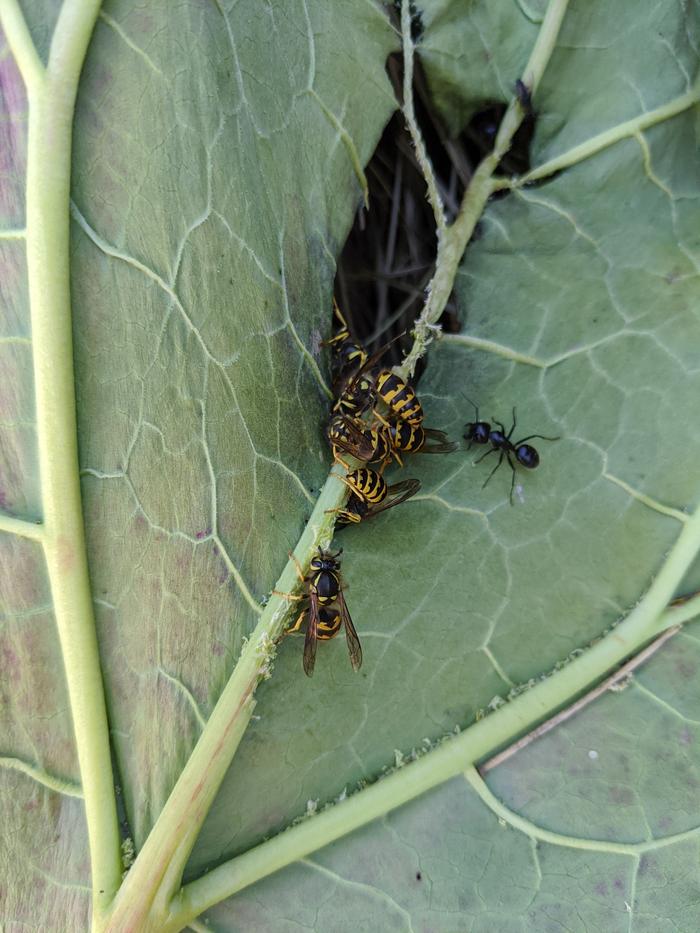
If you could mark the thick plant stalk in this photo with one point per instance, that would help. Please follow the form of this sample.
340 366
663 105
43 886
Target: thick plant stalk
51 93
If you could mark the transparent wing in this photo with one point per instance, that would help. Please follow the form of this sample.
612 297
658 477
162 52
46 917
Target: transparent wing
354 647
396 494
311 635
441 446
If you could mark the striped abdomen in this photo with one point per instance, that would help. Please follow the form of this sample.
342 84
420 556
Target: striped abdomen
329 623
407 437
399 397
367 484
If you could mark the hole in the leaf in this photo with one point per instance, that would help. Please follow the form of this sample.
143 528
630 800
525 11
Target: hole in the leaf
388 258
389 255
478 138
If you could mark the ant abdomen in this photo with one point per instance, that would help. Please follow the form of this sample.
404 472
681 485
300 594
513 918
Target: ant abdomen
527 456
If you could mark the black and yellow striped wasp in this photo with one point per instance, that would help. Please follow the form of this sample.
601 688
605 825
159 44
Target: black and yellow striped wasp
398 397
366 388
370 495
326 610
348 356
367 443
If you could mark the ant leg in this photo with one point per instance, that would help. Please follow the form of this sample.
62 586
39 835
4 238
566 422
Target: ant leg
500 461
483 456
530 436
512 481
512 427
501 426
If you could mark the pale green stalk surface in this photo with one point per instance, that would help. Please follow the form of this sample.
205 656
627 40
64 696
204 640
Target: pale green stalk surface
216 165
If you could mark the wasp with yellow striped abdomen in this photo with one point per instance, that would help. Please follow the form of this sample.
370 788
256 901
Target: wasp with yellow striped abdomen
354 437
329 623
349 355
326 610
371 495
367 388
398 397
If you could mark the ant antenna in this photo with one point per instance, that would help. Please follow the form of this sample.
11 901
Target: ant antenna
473 404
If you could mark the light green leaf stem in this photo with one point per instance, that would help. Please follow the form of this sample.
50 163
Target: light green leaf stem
51 95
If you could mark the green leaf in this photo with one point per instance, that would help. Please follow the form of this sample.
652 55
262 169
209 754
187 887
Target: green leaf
216 165
580 303
218 269
214 179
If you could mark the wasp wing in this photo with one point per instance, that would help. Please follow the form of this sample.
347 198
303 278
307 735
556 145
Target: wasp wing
442 446
354 647
311 635
399 493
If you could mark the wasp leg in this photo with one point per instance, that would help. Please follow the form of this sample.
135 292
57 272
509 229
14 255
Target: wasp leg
293 629
500 461
380 418
351 487
300 572
292 597
337 459
343 513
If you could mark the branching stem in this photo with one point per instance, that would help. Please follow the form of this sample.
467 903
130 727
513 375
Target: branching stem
454 239
23 49
607 138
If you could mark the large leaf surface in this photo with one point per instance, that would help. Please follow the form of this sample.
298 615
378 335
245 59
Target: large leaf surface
201 407
585 291
214 181
217 168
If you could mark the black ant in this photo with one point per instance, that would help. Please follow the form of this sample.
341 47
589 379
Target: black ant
481 432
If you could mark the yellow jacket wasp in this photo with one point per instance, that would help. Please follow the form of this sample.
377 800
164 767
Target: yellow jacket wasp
371 495
326 611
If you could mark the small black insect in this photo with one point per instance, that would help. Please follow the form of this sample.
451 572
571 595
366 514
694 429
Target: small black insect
524 95
525 454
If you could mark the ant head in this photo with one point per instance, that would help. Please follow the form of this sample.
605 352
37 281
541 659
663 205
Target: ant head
527 456
478 432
